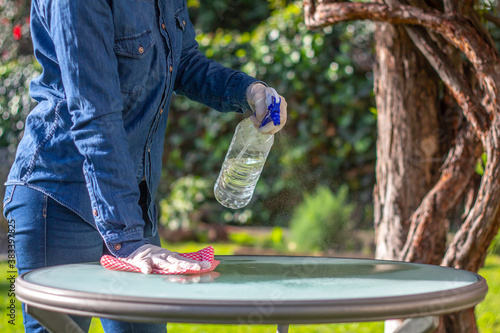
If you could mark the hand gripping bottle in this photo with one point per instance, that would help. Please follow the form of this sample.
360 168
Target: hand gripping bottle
245 158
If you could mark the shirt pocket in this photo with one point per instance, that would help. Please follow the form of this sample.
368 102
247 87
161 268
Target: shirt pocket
180 17
135 56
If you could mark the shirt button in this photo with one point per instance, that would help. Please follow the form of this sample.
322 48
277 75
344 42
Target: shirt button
141 49
149 150
95 212
171 69
161 111
163 26
184 22
117 247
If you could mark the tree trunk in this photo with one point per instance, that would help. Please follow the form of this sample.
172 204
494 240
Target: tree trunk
459 322
407 144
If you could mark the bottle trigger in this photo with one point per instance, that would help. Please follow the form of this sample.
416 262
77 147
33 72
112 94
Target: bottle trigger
273 109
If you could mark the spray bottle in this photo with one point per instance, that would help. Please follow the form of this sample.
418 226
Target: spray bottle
245 158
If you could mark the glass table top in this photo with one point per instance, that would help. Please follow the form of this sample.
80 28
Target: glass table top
252 278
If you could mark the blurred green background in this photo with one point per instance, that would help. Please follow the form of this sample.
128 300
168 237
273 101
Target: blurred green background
315 193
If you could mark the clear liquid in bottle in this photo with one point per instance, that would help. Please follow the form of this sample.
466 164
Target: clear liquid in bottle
242 166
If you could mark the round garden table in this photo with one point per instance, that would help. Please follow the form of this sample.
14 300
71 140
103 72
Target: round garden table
245 290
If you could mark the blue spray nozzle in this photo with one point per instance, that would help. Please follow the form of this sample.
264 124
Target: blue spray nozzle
273 110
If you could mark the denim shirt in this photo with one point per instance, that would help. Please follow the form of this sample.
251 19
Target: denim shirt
109 70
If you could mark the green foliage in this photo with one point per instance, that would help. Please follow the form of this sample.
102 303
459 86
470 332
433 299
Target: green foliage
330 133
322 221
219 248
186 197
227 14
272 240
17 68
481 164
243 238
487 314
277 237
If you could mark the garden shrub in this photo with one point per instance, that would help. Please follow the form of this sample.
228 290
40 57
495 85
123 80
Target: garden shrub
187 195
322 221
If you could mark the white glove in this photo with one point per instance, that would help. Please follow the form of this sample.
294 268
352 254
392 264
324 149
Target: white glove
258 96
148 256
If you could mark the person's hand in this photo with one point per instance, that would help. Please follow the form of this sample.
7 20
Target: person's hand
148 256
259 98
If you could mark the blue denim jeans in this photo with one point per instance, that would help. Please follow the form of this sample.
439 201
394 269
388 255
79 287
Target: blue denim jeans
48 234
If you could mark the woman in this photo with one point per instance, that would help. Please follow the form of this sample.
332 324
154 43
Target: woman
87 169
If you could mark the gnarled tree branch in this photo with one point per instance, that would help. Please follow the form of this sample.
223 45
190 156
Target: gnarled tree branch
454 81
455 176
469 247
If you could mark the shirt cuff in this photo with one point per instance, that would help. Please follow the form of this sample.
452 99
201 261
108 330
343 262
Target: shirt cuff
241 88
122 244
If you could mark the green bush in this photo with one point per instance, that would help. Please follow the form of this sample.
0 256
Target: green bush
180 209
322 221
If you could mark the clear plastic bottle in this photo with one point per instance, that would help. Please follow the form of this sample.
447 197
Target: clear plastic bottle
242 166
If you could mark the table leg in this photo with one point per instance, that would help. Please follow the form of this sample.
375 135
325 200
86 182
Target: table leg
54 322
282 328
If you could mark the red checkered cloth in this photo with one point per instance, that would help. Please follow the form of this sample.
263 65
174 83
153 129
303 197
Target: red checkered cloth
206 254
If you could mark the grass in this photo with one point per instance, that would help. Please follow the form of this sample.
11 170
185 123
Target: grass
487 312
488 316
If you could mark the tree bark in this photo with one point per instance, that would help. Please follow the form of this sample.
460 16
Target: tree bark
407 111
459 322
429 218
